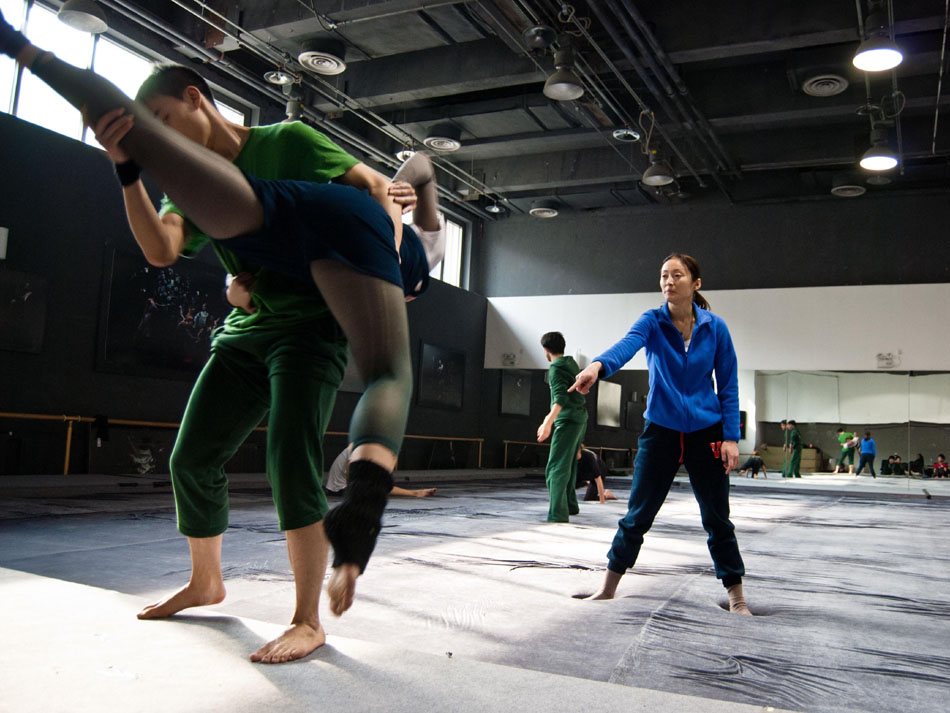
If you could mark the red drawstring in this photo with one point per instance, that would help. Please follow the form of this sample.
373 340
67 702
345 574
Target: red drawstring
682 445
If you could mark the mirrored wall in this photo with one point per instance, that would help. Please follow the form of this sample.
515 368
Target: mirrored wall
907 415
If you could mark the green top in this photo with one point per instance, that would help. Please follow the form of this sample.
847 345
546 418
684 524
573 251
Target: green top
795 439
561 376
289 151
843 440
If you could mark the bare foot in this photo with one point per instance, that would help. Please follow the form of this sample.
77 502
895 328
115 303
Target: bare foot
295 643
342 587
190 595
737 603
598 595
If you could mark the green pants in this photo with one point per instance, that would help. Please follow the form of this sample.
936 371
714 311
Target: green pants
561 472
795 464
296 383
846 453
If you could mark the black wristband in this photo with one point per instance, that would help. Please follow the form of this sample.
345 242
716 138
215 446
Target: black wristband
127 172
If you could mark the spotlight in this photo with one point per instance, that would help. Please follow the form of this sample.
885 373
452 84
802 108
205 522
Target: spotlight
626 134
405 154
880 157
444 137
877 53
323 56
658 173
564 85
84 15
545 208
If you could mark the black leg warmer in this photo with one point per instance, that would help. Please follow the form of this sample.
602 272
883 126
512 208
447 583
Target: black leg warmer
353 525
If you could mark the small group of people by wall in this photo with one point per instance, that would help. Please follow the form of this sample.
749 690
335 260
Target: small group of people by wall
895 466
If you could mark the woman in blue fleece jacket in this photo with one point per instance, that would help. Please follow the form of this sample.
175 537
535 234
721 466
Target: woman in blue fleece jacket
689 421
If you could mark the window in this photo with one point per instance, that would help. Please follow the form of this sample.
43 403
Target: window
450 269
36 102
13 10
29 97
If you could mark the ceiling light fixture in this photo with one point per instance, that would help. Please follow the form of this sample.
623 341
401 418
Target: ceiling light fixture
404 154
444 137
564 85
545 208
279 77
658 173
626 134
493 207
878 52
84 15
539 37
323 56
880 157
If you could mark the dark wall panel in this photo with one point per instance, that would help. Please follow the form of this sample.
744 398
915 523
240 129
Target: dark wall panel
880 241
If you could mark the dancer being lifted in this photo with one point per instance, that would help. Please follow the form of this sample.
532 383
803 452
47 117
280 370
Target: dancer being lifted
335 236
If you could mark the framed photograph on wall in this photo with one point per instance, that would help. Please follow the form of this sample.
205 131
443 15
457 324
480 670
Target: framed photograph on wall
441 377
158 321
516 392
22 311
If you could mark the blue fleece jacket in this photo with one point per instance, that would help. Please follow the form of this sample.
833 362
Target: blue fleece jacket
682 396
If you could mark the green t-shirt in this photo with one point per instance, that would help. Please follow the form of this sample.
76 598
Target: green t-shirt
843 440
290 151
561 376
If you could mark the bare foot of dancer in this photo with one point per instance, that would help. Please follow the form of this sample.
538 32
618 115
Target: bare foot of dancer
301 639
191 595
609 588
205 587
420 493
342 587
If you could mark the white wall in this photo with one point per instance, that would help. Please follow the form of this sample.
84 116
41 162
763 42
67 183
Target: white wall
800 329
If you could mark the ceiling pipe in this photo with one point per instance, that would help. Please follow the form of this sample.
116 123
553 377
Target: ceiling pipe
272 54
160 27
624 47
684 114
681 87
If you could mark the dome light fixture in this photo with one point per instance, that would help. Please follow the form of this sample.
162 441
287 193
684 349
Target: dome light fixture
323 56
564 85
878 52
404 154
444 137
539 37
545 208
880 157
83 15
658 173
493 207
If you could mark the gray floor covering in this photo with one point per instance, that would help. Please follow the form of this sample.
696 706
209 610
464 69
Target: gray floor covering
850 591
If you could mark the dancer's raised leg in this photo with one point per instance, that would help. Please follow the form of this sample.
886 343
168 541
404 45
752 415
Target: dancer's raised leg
196 179
372 313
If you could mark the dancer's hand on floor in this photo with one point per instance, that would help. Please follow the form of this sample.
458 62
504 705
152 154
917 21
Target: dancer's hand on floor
110 130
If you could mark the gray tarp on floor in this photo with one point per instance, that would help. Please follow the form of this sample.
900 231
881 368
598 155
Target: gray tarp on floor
851 591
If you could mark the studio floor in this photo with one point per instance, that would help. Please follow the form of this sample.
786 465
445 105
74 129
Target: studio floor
469 604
